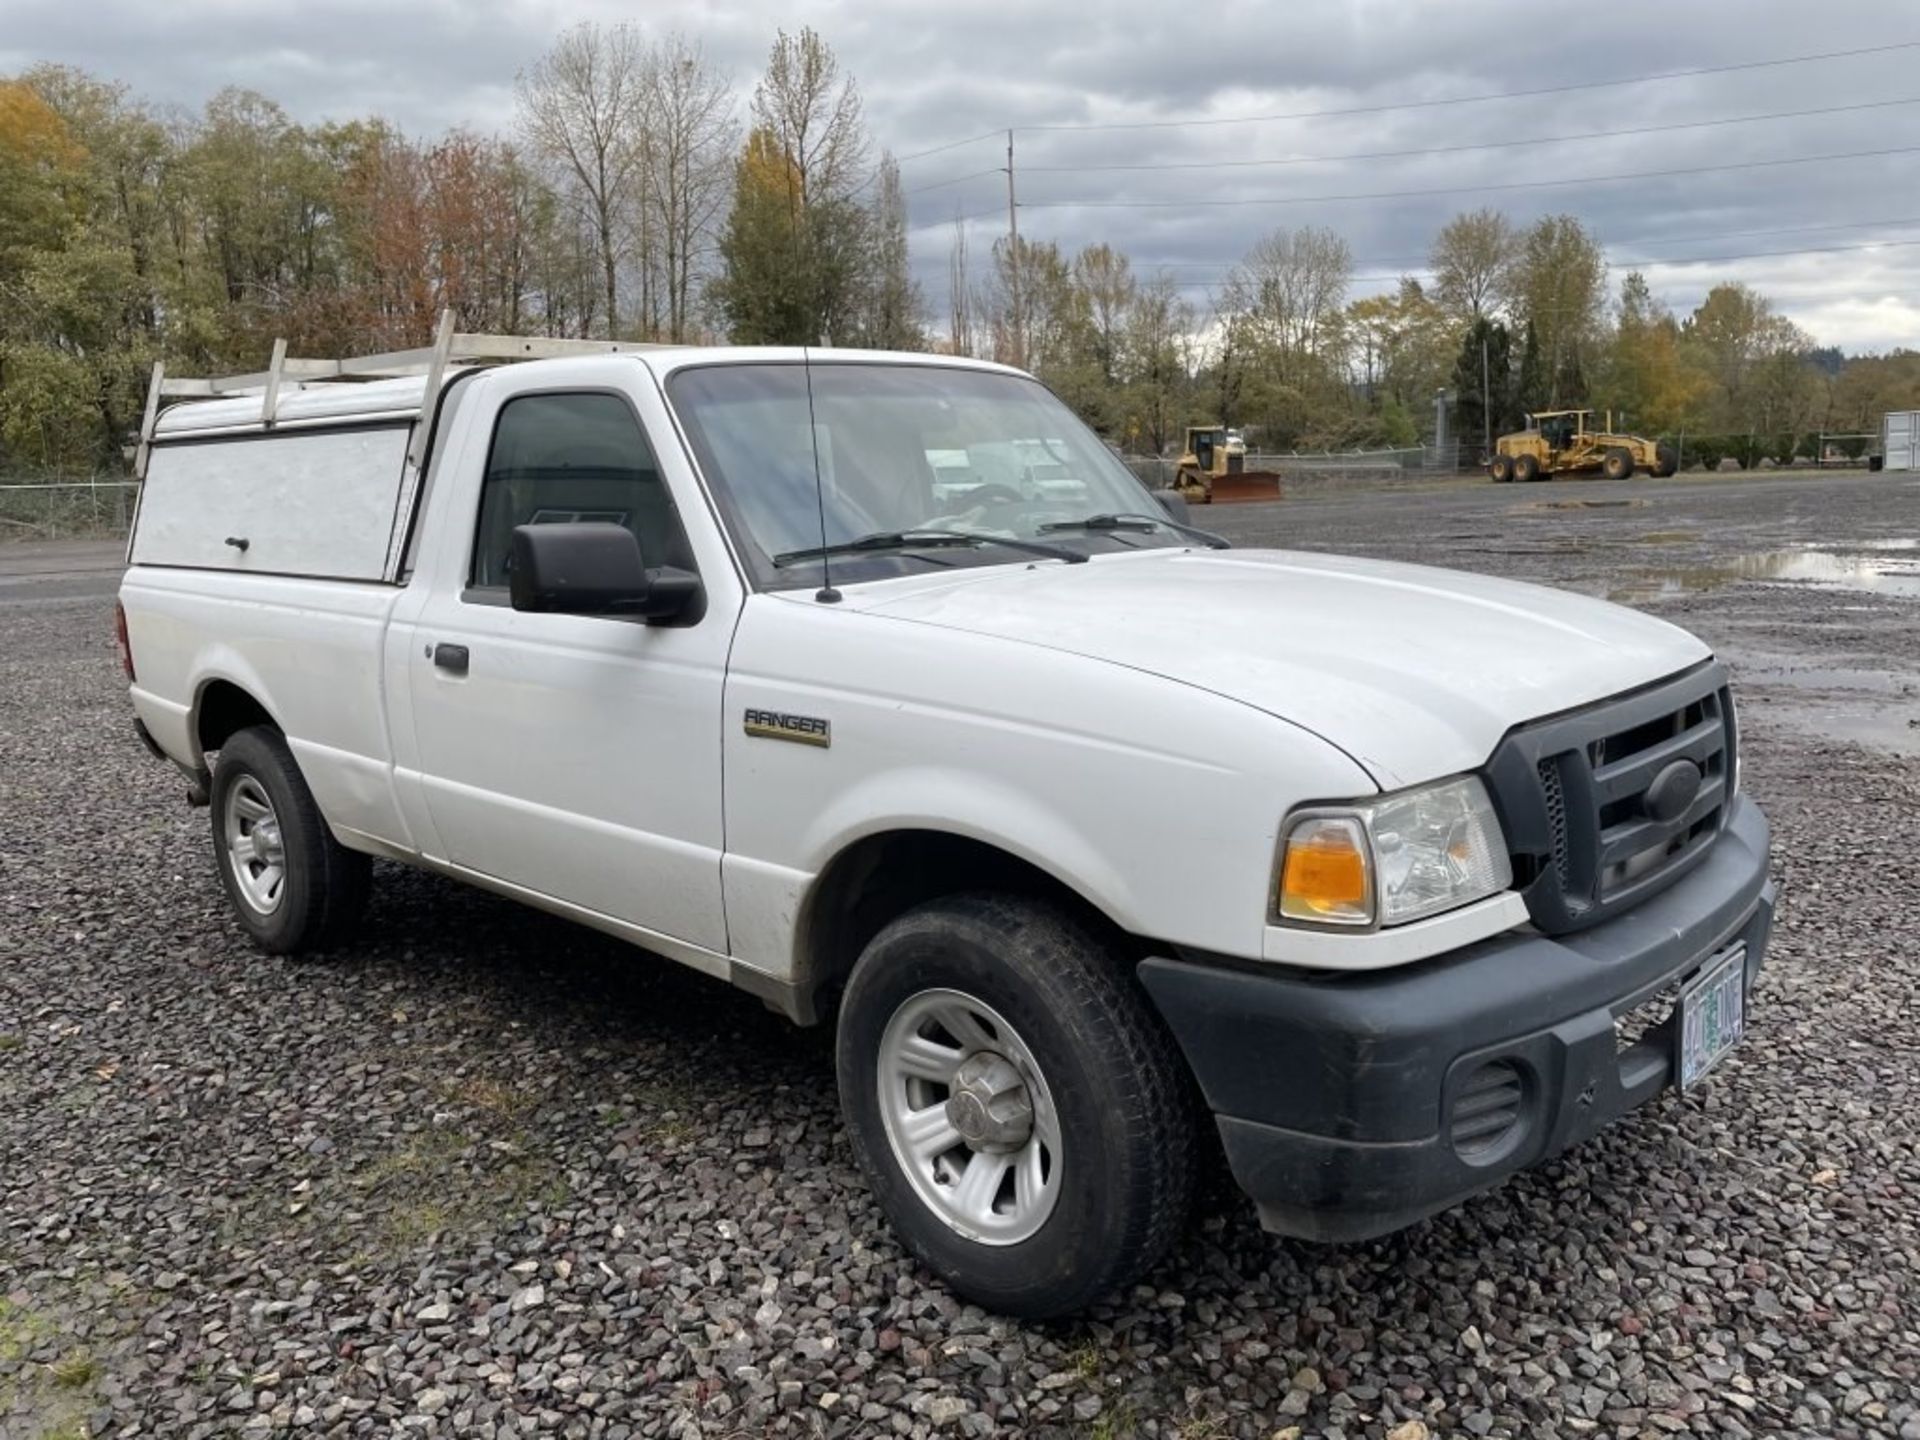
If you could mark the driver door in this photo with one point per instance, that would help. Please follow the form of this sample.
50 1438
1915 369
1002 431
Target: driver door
575 757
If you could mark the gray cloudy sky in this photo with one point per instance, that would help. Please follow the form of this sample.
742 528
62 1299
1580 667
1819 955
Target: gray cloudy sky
933 74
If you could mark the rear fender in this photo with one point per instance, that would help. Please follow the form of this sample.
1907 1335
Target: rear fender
223 664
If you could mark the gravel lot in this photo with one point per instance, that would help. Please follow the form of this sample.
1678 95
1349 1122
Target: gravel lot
493 1175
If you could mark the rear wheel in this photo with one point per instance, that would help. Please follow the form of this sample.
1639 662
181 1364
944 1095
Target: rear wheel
1618 464
1666 461
1526 469
1024 1119
293 887
1501 469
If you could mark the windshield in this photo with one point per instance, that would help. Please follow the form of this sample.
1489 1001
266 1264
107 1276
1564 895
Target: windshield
901 449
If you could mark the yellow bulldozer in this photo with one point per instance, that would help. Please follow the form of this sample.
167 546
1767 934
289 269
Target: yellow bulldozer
1213 469
1564 442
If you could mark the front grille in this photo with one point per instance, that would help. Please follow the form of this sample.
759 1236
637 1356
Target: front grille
1486 1110
1553 796
1600 806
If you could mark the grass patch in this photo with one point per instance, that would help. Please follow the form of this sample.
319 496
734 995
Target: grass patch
449 1181
1084 1361
21 1330
490 1098
677 1131
663 1113
51 1399
1118 1421
76 1370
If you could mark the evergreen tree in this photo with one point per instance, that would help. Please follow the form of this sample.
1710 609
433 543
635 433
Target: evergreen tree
1483 385
798 248
1530 392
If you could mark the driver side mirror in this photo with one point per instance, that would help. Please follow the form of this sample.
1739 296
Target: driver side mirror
1174 503
591 568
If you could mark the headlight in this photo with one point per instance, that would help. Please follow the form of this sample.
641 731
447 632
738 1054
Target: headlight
1399 858
1733 743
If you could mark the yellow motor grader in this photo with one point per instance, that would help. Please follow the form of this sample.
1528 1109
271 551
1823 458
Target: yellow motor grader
1564 442
1213 469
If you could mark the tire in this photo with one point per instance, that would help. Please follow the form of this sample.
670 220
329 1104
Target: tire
1618 464
1666 461
1103 1182
321 885
1501 469
1526 469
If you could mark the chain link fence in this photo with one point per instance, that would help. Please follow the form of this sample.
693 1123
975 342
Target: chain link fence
1409 462
37 509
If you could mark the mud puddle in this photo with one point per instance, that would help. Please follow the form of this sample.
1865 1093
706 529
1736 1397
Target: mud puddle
1879 709
1893 729
1888 568
1538 505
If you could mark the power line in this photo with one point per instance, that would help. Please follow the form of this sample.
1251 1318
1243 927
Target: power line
997 170
1479 99
1452 190
1190 203
1644 263
1655 78
1428 150
1456 149
966 219
1655 264
1410 260
1648 264
950 145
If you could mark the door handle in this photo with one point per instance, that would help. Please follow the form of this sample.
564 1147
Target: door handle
451 657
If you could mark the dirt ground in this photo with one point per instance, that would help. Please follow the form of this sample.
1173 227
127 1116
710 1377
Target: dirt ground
491 1175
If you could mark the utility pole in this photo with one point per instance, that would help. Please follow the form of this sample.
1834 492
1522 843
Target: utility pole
1486 398
1017 318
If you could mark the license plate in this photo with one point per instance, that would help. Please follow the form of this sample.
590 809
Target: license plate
1713 1016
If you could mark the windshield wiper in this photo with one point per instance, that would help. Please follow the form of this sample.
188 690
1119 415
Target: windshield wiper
925 539
1131 521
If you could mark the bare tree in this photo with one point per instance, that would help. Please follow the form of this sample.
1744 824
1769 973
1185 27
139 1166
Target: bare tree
893 304
816 117
1559 291
1473 258
959 294
582 108
797 250
690 136
1104 277
1292 288
1159 347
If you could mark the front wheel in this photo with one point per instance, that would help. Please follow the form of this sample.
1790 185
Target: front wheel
293 887
1023 1117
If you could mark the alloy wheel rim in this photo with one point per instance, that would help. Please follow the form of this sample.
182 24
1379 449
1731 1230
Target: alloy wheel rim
969 1117
256 848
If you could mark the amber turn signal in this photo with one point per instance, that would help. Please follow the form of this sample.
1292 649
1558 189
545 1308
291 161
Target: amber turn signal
1324 875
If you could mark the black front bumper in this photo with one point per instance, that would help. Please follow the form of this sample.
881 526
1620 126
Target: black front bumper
1334 1091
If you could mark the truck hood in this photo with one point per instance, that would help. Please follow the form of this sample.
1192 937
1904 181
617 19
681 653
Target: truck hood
1414 672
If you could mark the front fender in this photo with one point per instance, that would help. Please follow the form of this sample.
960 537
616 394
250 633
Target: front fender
1157 801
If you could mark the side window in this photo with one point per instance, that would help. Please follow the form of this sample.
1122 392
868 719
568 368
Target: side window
561 459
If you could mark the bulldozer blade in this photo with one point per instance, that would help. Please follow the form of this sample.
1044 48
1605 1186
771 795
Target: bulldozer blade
1245 487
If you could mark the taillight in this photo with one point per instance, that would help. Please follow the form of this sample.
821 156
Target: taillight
120 636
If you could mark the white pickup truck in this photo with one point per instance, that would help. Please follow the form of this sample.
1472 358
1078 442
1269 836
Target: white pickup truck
1102 845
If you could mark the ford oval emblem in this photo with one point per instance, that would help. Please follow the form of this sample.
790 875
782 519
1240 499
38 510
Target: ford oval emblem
1672 791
